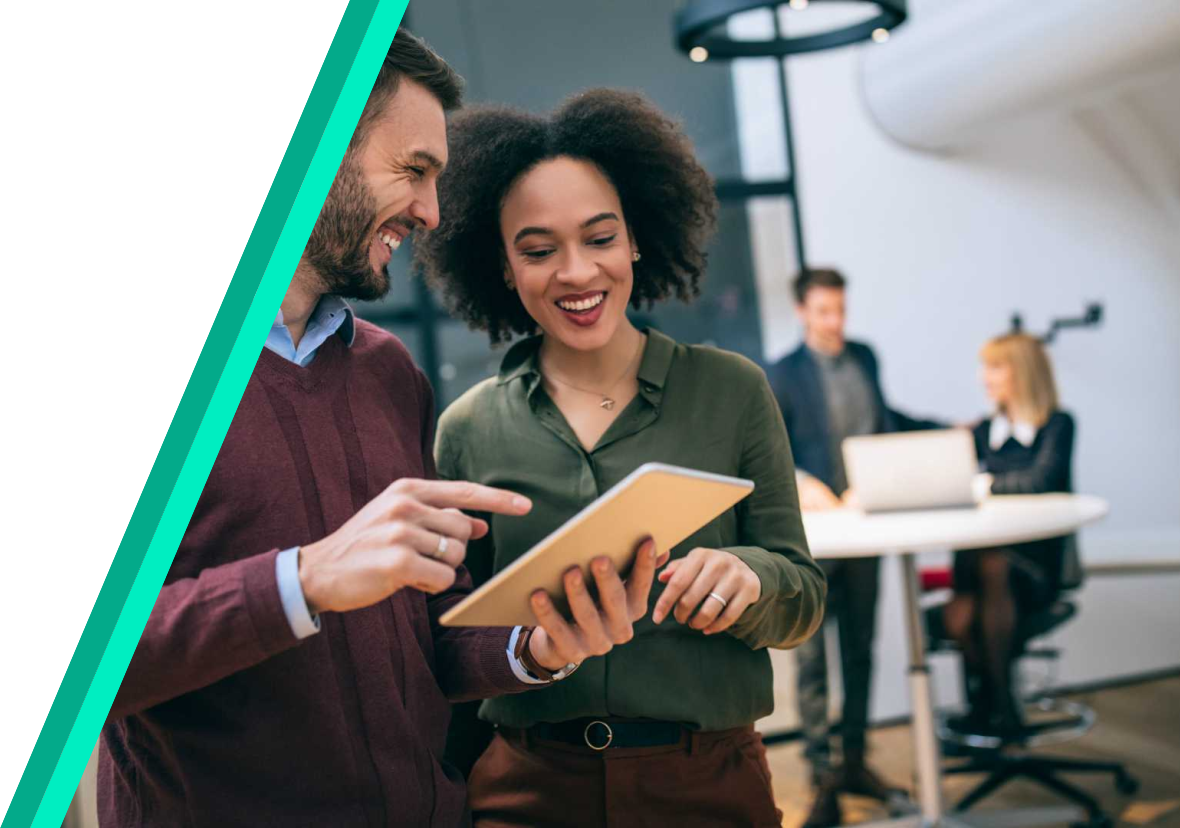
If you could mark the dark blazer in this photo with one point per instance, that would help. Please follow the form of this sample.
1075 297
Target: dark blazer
1043 467
799 389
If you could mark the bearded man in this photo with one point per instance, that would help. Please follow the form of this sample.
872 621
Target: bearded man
293 671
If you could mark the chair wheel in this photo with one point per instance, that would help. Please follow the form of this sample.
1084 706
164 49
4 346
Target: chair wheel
1126 784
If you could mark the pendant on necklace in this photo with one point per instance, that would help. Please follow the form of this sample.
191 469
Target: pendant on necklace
607 403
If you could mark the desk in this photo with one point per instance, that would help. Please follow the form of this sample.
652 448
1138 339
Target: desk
1005 519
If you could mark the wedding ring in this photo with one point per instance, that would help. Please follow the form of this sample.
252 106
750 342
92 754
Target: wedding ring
719 599
442 548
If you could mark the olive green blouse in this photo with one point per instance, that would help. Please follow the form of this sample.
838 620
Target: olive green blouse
697 407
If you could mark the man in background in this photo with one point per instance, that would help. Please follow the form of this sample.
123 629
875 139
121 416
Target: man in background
829 389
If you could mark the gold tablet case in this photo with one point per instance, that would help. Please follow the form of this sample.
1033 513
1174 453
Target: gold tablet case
665 502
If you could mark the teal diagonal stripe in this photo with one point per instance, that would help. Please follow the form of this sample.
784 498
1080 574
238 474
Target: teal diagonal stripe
199 425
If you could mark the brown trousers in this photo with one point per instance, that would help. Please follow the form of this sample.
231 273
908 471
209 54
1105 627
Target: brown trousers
709 780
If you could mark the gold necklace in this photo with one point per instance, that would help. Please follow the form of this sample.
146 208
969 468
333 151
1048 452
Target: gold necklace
607 402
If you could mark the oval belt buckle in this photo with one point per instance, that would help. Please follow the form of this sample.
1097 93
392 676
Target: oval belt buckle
610 736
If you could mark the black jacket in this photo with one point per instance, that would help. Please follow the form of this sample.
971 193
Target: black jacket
1042 467
799 389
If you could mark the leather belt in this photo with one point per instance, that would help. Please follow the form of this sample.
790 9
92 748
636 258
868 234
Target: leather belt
604 734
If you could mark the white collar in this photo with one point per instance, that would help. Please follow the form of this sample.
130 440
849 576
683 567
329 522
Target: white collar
1002 428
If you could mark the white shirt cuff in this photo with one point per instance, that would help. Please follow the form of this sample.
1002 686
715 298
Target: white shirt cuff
981 486
303 623
514 662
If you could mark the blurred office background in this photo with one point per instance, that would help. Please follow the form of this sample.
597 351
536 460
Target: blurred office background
989 158
1060 198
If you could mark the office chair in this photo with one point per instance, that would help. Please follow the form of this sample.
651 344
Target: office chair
1053 721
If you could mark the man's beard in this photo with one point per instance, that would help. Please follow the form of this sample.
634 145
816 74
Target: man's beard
338 247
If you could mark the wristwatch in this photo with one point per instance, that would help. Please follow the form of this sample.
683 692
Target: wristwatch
525 656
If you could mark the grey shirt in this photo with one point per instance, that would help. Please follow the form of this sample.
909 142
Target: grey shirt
851 407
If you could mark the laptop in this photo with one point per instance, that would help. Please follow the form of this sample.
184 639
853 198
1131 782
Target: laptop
912 470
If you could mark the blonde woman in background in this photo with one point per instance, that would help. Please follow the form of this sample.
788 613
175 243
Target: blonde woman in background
1025 447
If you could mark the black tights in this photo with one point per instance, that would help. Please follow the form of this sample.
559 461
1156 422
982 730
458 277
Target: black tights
983 624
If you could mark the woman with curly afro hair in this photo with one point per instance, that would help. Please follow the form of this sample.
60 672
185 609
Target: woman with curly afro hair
551 227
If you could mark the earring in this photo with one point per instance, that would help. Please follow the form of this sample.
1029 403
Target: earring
635 256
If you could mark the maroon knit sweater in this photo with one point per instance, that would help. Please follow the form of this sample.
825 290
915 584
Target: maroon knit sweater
224 718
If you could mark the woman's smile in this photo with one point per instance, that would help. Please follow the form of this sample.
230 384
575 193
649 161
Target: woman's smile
582 309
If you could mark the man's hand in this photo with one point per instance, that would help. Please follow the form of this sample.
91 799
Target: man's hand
394 542
709 589
814 496
596 629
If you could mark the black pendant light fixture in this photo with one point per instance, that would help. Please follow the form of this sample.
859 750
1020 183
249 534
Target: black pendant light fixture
701 31
701 24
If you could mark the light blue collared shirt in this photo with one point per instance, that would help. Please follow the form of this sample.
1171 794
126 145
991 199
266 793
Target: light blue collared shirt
331 315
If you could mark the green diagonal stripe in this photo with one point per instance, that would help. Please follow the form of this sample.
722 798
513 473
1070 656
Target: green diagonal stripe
210 399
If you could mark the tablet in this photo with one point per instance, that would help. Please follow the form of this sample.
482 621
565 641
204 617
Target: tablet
667 503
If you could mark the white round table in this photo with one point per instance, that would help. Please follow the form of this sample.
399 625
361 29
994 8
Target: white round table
999 520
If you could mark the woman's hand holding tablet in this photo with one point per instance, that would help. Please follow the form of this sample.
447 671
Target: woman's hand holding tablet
666 504
708 590
596 626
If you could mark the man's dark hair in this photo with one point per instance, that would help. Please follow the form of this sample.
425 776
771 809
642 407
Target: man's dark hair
409 57
667 198
816 277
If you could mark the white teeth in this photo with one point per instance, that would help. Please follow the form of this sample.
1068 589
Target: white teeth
582 304
393 241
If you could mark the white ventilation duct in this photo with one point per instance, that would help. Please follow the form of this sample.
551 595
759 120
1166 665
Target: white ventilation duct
951 74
